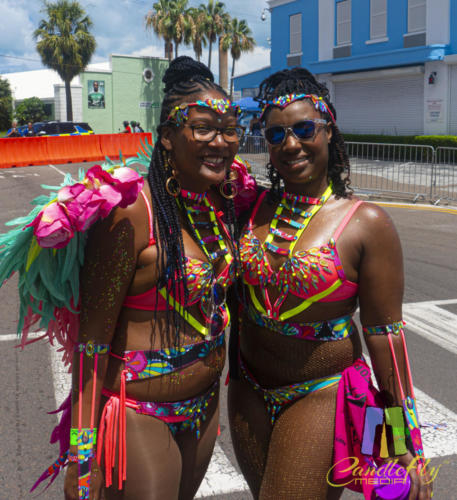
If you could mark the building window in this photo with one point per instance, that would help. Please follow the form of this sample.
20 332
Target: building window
295 34
378 19
416 16
343 22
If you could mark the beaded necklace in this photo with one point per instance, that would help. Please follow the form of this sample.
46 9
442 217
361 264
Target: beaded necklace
288 204
216 299
211 224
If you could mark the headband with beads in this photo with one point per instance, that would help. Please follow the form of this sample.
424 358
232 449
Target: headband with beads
180 114
284 101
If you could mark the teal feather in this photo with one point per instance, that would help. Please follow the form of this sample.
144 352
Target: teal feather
52 279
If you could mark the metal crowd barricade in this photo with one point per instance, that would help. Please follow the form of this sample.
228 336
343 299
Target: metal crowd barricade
406 171
444 181
396 169
253 148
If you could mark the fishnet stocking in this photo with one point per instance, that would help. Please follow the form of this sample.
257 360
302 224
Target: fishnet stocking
290 460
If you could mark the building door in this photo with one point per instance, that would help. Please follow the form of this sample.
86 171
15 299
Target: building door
388 106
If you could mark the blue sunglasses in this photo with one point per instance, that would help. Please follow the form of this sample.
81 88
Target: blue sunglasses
302 131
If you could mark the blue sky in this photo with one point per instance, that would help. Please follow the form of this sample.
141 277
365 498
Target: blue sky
119 29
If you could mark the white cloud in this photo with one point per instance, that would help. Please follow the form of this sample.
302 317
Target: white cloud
252 61
119 28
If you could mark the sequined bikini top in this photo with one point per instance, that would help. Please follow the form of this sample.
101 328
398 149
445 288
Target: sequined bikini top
200 284
314 275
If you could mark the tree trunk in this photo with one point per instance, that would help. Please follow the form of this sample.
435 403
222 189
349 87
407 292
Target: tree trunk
231 80
176 50
169 50
223 67
68 100
209 55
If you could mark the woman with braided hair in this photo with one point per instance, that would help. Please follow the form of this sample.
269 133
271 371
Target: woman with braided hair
310 253
153 300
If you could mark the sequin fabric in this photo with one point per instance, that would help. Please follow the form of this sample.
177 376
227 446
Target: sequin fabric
315 274
307 273
180 114
146 364
285 100
181 415
85 442
275 399
335 329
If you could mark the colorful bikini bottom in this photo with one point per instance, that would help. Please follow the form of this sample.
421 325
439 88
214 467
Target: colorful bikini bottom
276 399
147 364
333 329
178 415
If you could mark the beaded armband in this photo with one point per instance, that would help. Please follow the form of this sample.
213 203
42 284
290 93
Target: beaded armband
90 348
394 328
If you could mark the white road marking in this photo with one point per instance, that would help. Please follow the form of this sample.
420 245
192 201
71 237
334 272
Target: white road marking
57 169
221 477
13 337
432 322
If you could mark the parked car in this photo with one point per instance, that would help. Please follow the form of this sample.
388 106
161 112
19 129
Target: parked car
58 128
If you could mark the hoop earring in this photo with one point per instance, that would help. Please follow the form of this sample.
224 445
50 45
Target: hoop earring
172 185
229 183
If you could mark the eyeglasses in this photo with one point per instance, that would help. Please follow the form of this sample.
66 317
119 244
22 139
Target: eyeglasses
302 131
206 133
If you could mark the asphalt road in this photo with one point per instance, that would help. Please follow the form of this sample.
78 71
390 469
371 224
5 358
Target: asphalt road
31 382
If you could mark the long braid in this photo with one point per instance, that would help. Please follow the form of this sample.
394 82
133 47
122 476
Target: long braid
301 81
183 78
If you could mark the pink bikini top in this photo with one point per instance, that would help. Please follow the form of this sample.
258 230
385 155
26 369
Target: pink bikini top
198 273
314 275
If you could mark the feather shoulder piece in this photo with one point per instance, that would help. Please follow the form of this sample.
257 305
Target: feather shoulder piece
46 248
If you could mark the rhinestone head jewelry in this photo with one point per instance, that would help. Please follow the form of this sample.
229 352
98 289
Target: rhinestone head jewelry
180 114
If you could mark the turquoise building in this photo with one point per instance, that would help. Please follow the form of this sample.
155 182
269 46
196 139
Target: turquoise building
130 90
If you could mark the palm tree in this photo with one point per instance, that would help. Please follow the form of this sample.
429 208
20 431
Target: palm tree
195 32
239 40
180 19
214 13
158 20
224 47
169 19
64 42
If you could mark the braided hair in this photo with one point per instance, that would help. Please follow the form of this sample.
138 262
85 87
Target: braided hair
183 77
301 81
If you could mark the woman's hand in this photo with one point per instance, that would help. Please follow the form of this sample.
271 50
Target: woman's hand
71 482
421 484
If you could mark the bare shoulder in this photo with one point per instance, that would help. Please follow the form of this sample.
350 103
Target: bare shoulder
132 220
376 225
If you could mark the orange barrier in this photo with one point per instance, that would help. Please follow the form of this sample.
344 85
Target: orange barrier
74 149
24 151
129 144
21 151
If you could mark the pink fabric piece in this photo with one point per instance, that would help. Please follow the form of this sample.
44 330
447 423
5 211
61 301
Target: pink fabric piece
246 186
355 393
51 227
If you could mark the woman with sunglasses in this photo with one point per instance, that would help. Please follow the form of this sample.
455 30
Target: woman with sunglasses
310 253
153 307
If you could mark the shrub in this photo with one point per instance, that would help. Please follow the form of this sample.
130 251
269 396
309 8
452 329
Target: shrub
423 140
6 104
30 110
